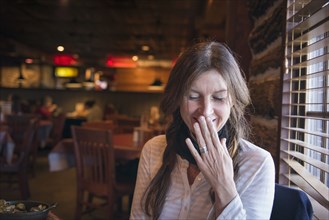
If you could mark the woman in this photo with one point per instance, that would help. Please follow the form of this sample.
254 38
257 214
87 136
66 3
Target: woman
203 168
48 108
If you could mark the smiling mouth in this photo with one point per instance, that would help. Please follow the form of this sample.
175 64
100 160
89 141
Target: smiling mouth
212 120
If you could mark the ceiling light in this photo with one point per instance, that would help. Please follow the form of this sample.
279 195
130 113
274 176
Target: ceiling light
157 82
145 48
20 78
157 85
28 60
134 58
60 48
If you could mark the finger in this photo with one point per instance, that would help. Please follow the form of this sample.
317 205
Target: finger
223 143
193 151
213 133
199 136
205 132
211 140
204 127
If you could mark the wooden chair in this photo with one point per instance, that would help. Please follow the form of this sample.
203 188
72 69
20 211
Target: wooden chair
56 133
17 125
125 124
17 170
95 166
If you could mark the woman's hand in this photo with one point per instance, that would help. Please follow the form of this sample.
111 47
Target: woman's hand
215 163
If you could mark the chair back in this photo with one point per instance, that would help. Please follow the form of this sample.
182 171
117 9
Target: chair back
105 125
21 164
94 160
17 125
28 143
57 129
126 124
290 203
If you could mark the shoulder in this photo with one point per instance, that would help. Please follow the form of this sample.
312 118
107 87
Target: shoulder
248 148
250 153
155 145
152 152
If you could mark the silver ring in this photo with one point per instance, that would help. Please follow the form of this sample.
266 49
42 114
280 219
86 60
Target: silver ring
203 150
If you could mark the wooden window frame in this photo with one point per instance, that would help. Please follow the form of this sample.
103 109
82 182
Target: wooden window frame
304 125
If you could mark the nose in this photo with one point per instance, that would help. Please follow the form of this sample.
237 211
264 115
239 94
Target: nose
206 107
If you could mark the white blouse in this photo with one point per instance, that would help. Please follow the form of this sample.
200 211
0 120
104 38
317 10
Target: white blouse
254 183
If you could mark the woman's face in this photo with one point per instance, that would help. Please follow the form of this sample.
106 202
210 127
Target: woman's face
208 96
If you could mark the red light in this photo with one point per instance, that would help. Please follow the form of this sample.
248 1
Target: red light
64 60
28 60
120 62
109 62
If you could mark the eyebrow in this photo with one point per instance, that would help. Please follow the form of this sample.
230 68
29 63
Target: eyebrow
219 91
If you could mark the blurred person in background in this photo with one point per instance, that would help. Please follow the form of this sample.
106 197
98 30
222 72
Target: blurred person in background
48 112
92 111
48 109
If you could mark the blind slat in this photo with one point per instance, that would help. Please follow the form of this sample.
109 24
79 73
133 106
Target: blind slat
318 14
319 212
310 8
309 146
302 184
320 134
309 33
324 73
307 117
297 91
306 63
309 160
310 48
312 181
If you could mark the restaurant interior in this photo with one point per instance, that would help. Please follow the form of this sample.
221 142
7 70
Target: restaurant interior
104 65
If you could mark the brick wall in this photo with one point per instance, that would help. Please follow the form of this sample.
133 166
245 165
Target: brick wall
266 45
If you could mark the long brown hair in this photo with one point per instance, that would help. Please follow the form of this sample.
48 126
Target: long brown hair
190 65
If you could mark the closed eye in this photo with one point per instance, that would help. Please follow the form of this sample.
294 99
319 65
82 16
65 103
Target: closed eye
219 98
193 97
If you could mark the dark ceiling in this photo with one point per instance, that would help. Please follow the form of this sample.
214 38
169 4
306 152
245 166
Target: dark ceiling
94 29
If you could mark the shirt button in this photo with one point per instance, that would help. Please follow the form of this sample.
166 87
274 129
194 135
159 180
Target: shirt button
199 178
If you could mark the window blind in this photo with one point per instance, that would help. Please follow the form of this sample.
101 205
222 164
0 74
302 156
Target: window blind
304 138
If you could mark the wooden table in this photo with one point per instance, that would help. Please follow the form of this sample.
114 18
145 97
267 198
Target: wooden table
62 156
